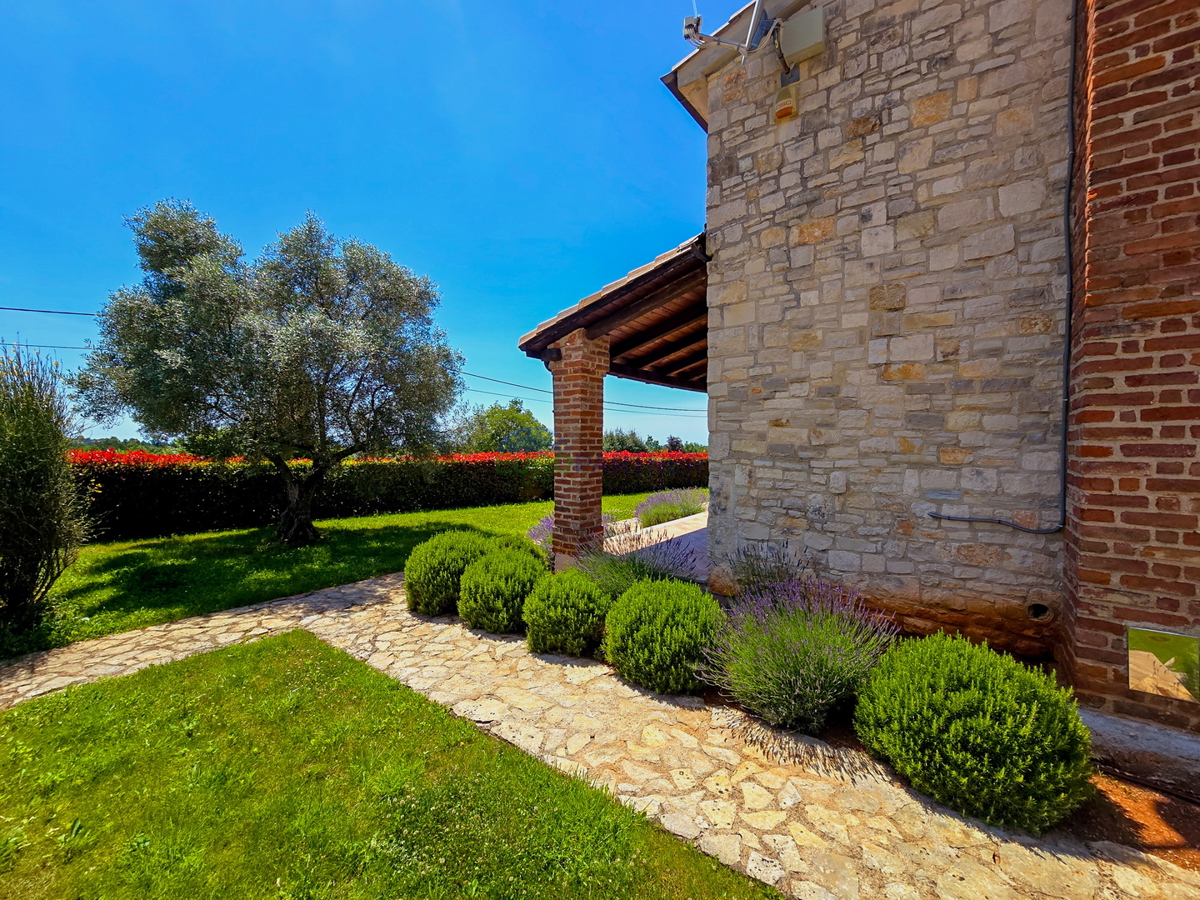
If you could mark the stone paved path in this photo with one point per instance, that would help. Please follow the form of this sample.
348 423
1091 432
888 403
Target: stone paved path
815 822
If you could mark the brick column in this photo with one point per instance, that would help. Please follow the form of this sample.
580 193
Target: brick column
1133 531
578 443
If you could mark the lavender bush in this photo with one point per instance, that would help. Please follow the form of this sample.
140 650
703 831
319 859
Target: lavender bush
759 566
625 559
668 505
542 533
790 652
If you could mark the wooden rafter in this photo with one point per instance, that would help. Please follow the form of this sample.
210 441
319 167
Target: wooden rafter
639 308
673 369
689 317
655 358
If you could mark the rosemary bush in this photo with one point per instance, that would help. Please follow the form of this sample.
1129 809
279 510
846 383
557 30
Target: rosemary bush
791 652
977 731
434 570
656 633
494 588
565 614
521 543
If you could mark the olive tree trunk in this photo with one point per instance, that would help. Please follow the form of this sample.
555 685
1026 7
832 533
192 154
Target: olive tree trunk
296 528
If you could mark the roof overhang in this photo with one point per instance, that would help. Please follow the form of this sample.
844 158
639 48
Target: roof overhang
655 318
688 80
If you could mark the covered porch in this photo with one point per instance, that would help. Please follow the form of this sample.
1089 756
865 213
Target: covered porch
650 326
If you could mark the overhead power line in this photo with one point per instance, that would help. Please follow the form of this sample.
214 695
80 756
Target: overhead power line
49 312
607 402
45 346
633 412
614 404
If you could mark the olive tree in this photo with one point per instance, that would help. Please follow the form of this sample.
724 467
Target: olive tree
41 515
318 350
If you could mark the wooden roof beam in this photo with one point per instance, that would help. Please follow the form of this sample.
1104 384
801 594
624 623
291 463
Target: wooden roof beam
653 358
673 369
680 320
635 374
692 281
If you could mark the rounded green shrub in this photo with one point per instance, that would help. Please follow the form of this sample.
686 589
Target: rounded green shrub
494 588
435 568
519 542
655 635
977 731
565 614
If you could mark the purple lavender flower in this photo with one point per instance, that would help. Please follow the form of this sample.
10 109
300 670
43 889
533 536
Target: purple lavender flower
791 651
542 533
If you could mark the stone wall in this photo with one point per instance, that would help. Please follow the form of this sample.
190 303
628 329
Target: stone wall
886 308
1134 529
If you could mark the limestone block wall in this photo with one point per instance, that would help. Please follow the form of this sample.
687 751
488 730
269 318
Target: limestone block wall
886 307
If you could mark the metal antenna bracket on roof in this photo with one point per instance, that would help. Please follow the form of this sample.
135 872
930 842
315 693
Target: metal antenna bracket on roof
760 27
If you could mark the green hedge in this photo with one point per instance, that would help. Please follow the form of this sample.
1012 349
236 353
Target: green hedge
140 501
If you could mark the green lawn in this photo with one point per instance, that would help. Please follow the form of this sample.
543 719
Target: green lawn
125 585
286 769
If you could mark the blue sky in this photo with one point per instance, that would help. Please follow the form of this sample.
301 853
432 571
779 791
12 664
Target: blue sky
522 154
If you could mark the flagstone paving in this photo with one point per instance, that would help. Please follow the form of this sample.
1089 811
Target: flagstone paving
816 822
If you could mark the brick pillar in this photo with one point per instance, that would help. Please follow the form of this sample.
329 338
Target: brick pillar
578 443
1133 531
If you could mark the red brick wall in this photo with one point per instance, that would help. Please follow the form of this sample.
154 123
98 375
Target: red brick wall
578 442
1133 540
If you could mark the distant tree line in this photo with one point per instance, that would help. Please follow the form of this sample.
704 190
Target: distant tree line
631 442
122 445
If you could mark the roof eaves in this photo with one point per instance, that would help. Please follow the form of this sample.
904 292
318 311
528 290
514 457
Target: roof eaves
547 332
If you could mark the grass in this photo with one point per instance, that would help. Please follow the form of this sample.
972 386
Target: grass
121 586
285 769
667 506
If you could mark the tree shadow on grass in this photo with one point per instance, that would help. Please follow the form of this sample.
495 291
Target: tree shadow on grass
164 579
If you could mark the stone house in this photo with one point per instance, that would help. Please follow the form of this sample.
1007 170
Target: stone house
982 218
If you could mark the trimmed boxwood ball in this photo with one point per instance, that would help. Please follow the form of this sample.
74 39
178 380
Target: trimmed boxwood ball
494 588
519 542
565 614
434 569
656 633
977 731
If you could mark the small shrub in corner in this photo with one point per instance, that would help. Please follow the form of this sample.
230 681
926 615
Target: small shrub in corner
565 614
434 569
977 731
655 635
494 588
